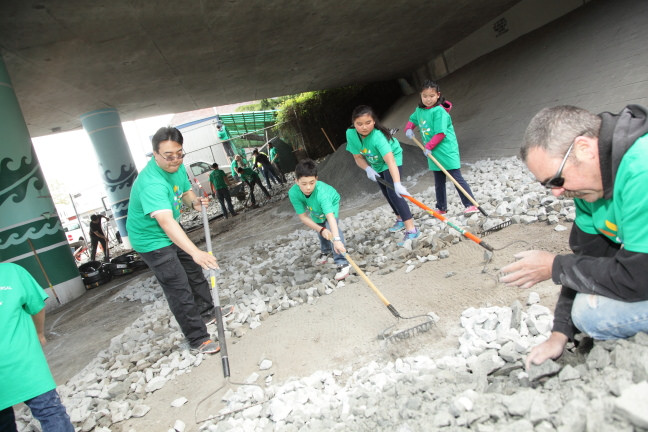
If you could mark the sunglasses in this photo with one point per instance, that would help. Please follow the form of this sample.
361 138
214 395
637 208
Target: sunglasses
557 180
170 158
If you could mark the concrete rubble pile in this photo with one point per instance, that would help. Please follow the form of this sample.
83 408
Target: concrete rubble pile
482 387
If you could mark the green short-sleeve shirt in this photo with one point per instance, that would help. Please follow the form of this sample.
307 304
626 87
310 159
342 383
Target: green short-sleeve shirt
154 189
322 201
24 372
622 219
249 174
433 121
273 155
223 134
217 178
374 147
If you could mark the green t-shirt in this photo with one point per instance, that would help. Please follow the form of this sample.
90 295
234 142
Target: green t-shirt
322 201
622 219
273 155
24 373
433 121
249 174
235 165
217 178
223 134
154 189
374 147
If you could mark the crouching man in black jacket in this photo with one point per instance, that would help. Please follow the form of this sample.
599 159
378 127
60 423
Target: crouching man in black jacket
602 163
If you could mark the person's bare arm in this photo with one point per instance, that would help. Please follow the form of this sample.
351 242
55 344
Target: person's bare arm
39 323
532 267
338 246
360 161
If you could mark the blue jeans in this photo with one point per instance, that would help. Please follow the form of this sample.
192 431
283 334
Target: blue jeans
440 188
396 202
185 288
46 408
603 318
326 246
269 174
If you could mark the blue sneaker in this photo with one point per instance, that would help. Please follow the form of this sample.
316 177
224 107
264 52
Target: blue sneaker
409 236
398 226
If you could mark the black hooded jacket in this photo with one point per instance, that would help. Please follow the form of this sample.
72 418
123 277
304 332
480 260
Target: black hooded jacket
598 265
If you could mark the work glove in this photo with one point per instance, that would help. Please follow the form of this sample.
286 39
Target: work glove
371 173
400 189
426 152
409 133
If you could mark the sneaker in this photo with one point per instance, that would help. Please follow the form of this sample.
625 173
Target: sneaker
211 318
410 236
470 210
323 259
398 226
342 272
207 347
441 211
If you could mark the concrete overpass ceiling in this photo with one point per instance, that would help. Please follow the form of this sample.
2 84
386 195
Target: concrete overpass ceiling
145 58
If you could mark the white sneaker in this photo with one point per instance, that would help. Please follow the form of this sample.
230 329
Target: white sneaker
342 272
323 259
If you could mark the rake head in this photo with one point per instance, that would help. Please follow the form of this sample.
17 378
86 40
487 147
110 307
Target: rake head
392 336
496 228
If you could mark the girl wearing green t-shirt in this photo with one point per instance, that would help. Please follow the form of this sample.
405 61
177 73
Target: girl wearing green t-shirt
437 132
380 155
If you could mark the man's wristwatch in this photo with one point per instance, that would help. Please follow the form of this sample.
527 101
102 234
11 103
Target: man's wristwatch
337 239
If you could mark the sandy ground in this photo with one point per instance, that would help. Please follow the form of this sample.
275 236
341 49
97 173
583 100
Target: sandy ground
337 332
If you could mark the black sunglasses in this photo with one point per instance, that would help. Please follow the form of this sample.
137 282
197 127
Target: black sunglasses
557 180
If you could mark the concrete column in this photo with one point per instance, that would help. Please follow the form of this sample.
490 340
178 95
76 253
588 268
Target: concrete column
31 234
116 164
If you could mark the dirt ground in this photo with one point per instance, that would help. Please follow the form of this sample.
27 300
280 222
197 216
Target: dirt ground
338 331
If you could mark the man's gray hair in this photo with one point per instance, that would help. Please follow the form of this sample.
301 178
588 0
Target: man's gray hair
554 129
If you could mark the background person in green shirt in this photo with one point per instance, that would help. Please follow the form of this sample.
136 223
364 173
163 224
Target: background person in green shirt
251 177
158 194
322 202
274 160
24 373
239 161
380 156
224 136
219 187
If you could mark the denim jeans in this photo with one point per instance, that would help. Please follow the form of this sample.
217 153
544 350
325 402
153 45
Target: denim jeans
269 174
440 188
603 318
185 288
396 202
224 196
46 408
326 246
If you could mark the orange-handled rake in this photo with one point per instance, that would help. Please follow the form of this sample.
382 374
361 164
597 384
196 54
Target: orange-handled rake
442 218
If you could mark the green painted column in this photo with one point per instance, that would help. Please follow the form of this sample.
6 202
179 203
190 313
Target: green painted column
30 230
116 165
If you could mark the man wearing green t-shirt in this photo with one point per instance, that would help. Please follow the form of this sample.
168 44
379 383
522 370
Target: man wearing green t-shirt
157 196
322 202
274 161
24 373
601 161
224 136
218 183
251 177
239 161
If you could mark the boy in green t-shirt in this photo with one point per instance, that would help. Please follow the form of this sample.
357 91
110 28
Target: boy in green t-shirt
323 204
252 178
218 183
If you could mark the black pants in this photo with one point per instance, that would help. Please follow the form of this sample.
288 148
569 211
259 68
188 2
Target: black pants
224 196
251 184
93 248
185 288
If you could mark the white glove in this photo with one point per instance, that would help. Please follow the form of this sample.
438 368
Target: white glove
371 173
409 133
426 152
400 189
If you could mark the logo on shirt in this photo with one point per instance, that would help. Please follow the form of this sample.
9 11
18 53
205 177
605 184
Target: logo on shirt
177 197
370 157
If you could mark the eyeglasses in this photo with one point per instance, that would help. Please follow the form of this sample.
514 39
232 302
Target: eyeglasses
179 155
557 180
